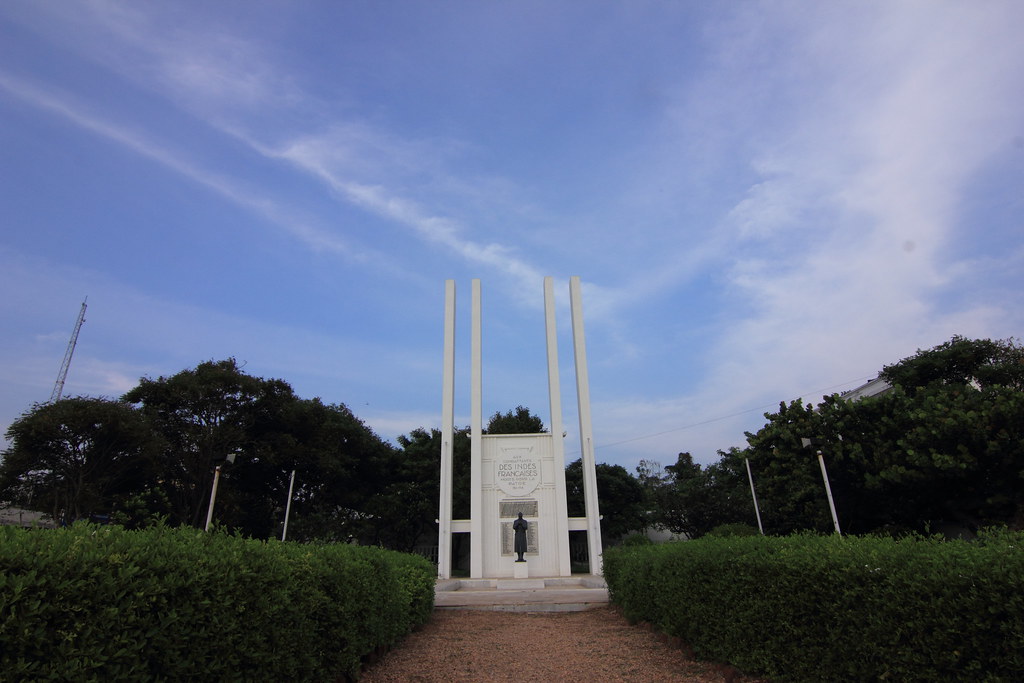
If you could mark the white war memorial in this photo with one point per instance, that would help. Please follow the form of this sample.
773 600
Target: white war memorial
517 474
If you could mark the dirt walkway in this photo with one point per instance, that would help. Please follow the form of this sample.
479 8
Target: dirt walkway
595 645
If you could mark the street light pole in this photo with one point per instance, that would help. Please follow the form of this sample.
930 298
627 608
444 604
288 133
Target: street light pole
828 490
288 506
807 443
213 492
753 494
213 496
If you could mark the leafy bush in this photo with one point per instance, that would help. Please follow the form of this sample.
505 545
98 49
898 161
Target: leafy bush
737 529
88 603
636 539
829 608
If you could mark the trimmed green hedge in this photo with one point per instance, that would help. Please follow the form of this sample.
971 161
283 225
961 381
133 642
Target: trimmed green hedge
810 608
103 603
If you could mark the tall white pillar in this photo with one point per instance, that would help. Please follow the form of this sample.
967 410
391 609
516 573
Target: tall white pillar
476 537
586 428
444 515
558 445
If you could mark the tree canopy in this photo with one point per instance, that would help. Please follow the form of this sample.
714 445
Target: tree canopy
77 458
961 361
518 421
691 500
944 448
620 498
152 453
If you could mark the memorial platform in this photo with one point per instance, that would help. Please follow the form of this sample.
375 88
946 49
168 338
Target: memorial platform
557 594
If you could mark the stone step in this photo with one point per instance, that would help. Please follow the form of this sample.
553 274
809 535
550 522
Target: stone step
556 594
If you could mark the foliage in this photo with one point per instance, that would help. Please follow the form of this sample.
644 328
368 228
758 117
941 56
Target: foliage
636 539
342 469
103 603
961 361
144 509
692 500
519 421
620 495
828 608
77 457
150 457
738 529
424 447
943 449
204 415
946 455
787 476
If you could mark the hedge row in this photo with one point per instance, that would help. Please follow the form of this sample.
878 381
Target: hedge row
102 603
808 608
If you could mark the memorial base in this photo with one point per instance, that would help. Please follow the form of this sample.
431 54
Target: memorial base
520 570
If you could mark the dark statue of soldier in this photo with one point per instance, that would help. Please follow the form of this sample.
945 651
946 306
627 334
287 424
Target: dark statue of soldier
519 527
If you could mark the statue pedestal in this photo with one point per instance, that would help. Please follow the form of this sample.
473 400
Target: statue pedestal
520 570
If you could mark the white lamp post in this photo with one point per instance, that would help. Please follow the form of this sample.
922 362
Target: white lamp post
753 494
807 443
213 492
288 507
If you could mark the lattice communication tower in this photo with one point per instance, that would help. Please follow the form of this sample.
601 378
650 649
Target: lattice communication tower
58 387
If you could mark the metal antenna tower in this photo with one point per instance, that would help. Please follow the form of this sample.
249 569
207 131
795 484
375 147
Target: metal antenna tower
58 387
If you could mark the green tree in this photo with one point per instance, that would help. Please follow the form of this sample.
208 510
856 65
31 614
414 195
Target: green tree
406 507
204 415
339 464
789 484
942 448
651 475
518 421
694 500
682 501
77 457
961 361
620 499
215 410
949 454
653 479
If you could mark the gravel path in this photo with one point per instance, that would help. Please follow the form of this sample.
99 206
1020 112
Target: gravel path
595 645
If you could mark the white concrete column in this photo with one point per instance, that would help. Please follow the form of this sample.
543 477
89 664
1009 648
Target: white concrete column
444 515
476 537
557 442
586 428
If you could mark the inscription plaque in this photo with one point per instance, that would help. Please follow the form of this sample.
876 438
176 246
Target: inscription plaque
508 538
517 470
512 508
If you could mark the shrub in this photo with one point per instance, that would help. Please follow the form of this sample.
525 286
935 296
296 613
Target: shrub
636 539
88 602
736 529
831 608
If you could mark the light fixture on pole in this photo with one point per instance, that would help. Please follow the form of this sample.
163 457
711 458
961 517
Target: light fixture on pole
753 494
288 507
213 492
807 443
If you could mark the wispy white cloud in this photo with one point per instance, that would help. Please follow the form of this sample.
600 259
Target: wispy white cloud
825 148
838 256
227 81
887 153
203 65
316 238
325 158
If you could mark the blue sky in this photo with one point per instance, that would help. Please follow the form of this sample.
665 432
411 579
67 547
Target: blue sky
764 201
